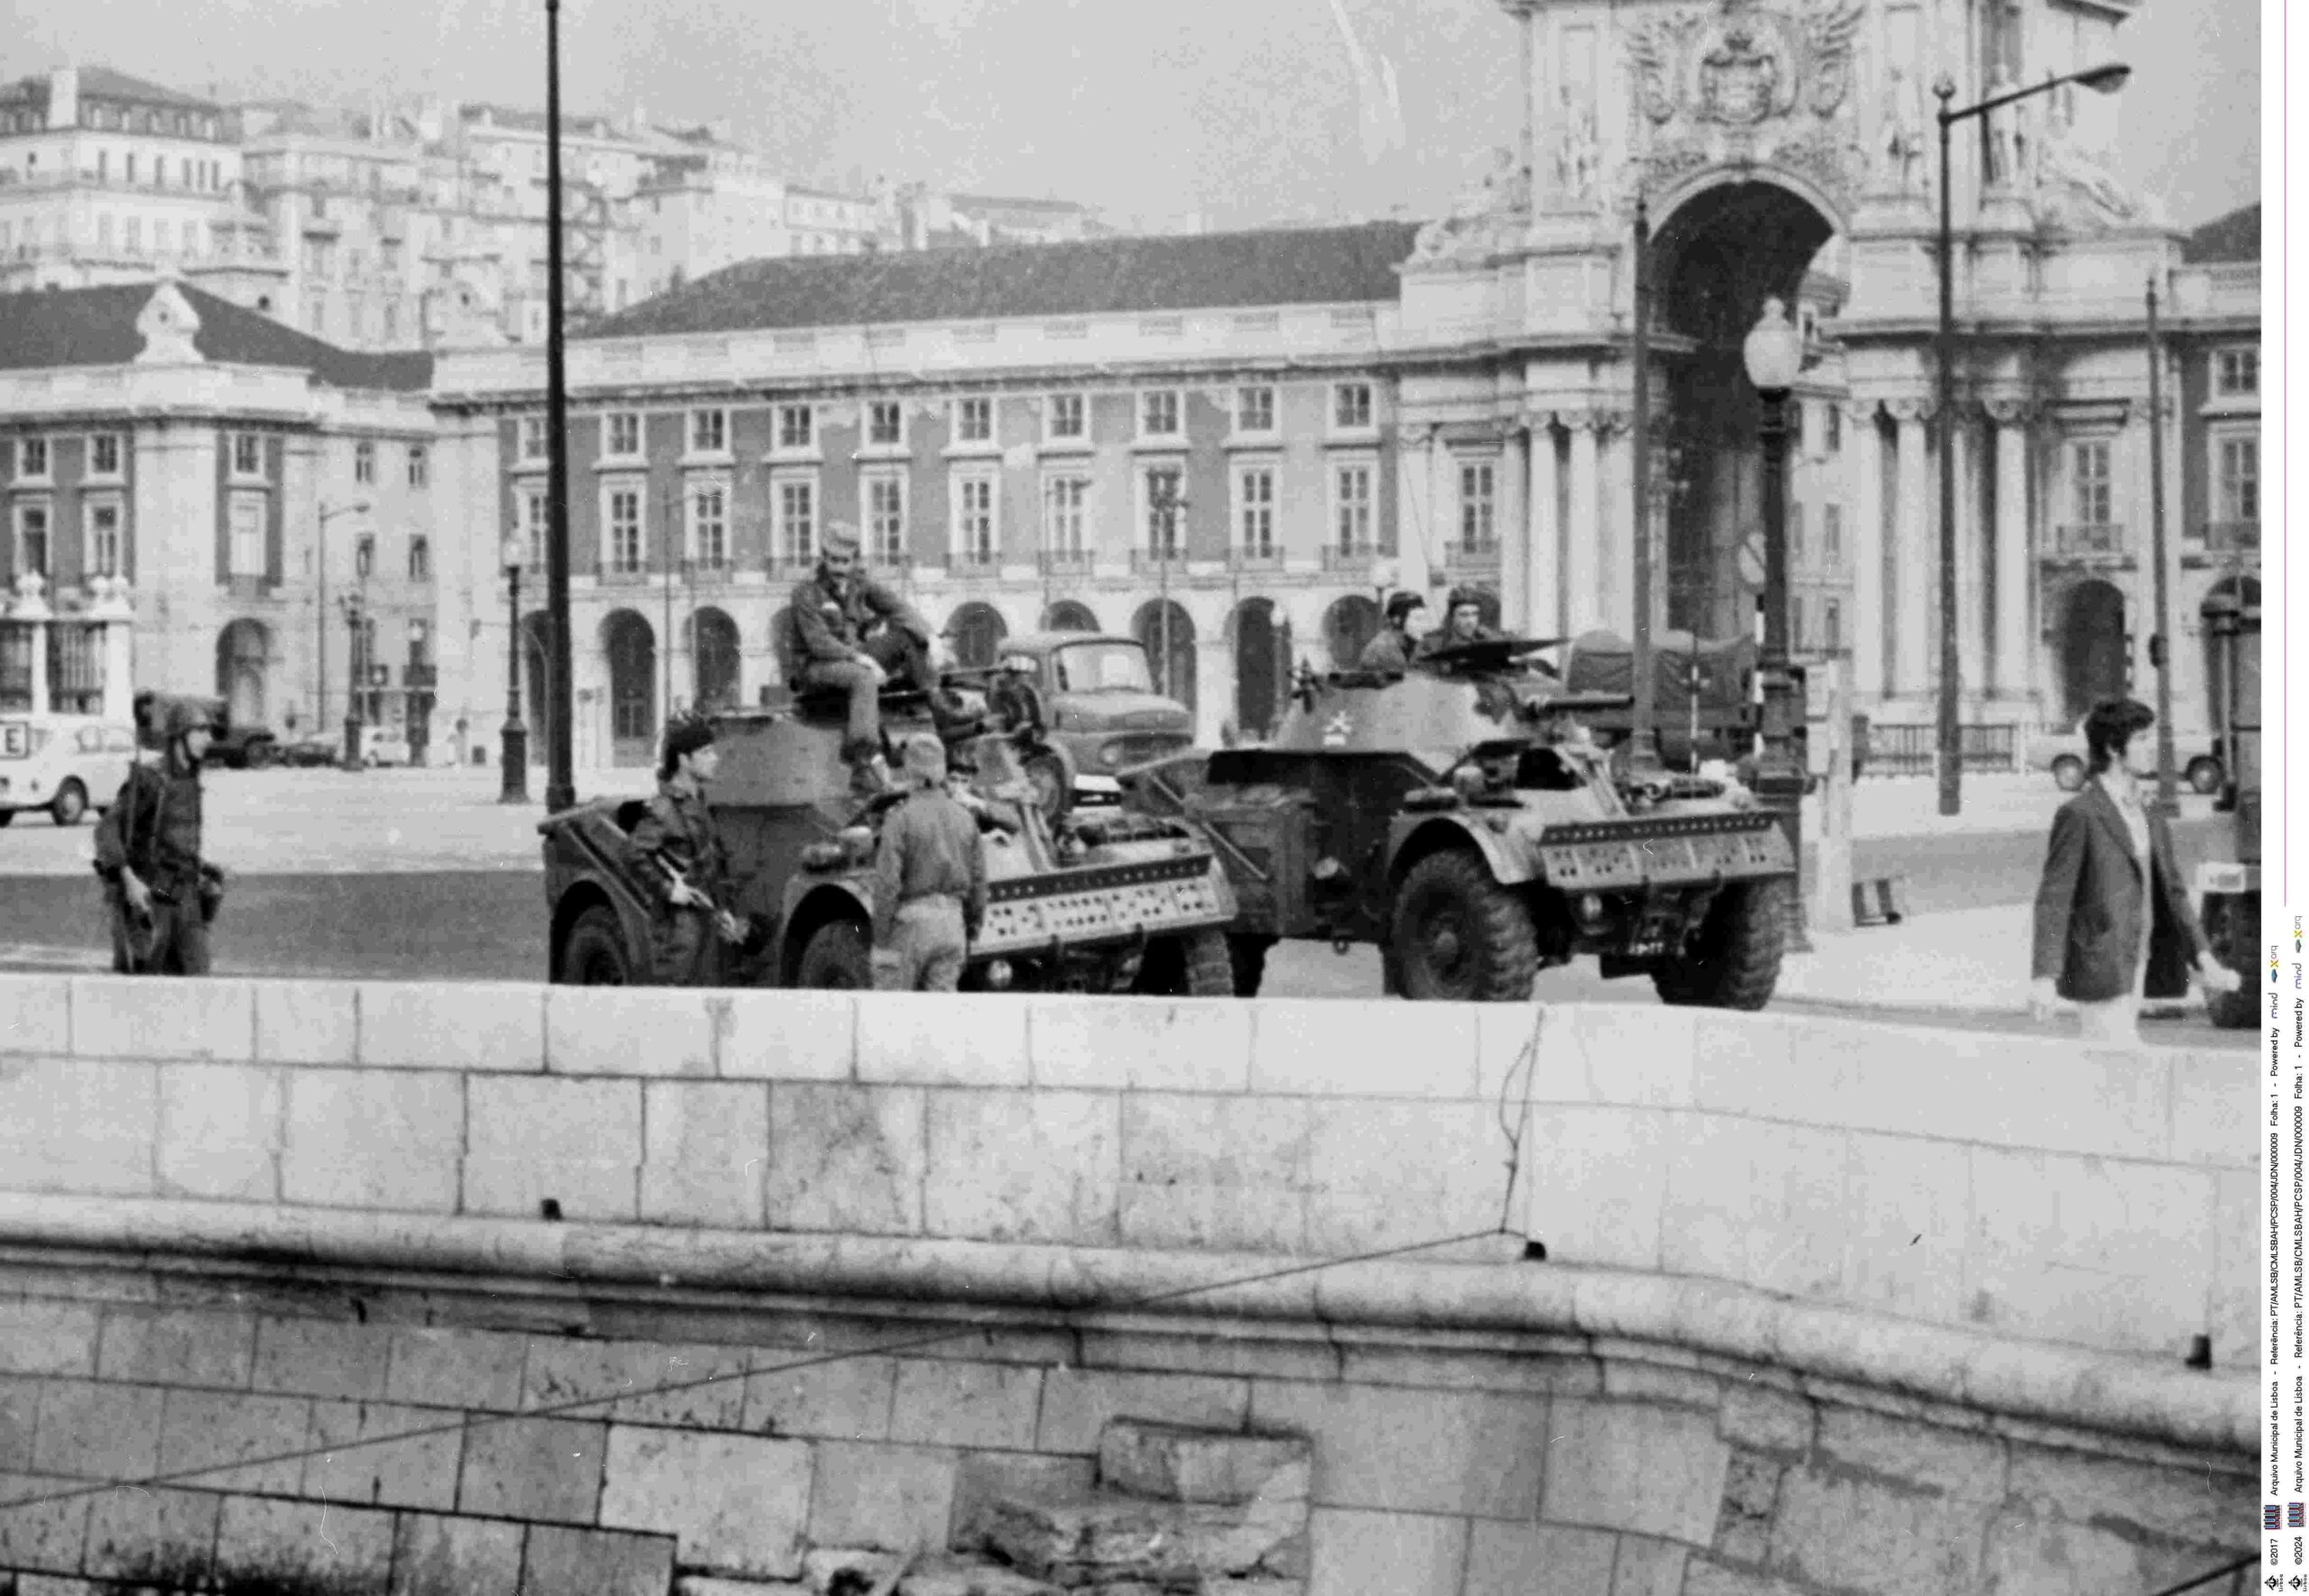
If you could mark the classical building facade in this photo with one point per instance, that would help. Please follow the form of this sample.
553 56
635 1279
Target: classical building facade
264 498
1237 432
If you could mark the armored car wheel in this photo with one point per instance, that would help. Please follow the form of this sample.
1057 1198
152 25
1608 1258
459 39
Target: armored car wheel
594 954
1196 965
1458 936
1248 955
1733 960
837 958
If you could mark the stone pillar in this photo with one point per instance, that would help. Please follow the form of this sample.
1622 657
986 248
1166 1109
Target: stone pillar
1544 535
2014 564
1442 511
30 615
1916 556
113 610
1513 529
1972 592
1214 684
1414 515
1583 597
1616 528
1864 463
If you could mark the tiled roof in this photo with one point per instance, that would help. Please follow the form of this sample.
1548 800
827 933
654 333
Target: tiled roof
105 84
2236 236
43 329
1104 277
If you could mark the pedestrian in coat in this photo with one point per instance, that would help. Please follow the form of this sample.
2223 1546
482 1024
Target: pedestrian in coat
929 881
160 894
2111 902
683 864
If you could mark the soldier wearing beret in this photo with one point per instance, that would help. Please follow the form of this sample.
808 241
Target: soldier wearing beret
853 633
686 868
162 895
929 881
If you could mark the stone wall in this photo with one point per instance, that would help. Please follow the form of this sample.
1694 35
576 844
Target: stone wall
374 1290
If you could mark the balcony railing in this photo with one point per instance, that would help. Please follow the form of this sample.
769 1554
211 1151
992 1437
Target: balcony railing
611 574
1065 561
252 587
1472 556
973 562
2106 542
1355 557
2232 538
422 678
1255 559
1158 559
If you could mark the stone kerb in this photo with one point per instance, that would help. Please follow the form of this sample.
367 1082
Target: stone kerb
2029 1186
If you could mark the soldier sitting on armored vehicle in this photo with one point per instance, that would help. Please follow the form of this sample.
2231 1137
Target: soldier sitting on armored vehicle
852 633
686 868
1462 624
1397 644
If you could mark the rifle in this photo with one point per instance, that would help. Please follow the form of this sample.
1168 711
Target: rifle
731 927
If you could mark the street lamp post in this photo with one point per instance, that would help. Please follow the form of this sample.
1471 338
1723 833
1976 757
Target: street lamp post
329 513
514 754
355 608
561 782
1774 356
1644 750
2102 79
2160 641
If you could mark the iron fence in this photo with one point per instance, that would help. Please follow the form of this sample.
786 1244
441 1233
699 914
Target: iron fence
1915 750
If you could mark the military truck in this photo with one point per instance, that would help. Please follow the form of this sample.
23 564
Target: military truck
1101 901
1461 818
2229 893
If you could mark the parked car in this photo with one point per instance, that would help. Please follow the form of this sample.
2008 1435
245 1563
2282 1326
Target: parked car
64 765
1102 711
2064 755
309 751
245 747
383 745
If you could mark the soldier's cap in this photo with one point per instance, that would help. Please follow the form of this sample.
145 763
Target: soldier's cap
1402 605
926 758
1465 595
162 717
686 736
839 538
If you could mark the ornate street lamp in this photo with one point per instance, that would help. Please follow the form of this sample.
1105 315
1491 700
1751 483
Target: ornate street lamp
1774 356
354 606
2102 79
328 513
514 753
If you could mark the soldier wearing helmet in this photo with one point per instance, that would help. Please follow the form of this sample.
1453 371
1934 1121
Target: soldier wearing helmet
162 895
1462 621
929 881
1397 644
853 633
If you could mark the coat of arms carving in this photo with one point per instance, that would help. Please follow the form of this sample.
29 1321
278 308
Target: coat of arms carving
1745 65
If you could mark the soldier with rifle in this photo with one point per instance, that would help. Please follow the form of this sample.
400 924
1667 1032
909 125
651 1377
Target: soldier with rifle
162 895
688 869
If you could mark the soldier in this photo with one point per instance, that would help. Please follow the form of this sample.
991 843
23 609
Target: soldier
1397 645
853 633
687 870
1462 623
161 895
929 882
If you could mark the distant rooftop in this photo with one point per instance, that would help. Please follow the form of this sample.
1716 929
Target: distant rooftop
47 329
2235 237
102 83
1104 277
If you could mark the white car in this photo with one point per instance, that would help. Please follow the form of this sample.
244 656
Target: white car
65 765
2064 756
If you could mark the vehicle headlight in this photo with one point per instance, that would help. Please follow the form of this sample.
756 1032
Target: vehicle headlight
1591 907
998 975
1110 755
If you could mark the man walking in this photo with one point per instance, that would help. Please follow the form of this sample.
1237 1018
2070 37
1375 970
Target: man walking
853 633
929 881
161 895
686 868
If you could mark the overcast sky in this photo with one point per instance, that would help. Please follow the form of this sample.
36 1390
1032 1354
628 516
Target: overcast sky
1243 111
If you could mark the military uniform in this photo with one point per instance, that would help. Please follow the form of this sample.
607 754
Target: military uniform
678 832
1390 652
153 831
836 622
929 893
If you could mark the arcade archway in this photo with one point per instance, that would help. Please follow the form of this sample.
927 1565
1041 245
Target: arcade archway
243 664
632 647
714 660
2093 645
1347 625
1172 664
1261 633
1068 615
976 631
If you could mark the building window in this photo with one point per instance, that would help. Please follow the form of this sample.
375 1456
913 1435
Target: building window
1064 502
532 437
2240 477
248 455
365 463
2237 372
795 505
1478 505
100 554
1254 409
624 522
418 473
1834 429
708 432
31 538
621 435
974 518
709 525
793 426
533 524
885 423
104 455
420 560
1832 531
1066 419
1351 405
1165 487
1351 507
2089 485
1158 415
886 518
244 551
974 420
1795 534
1832 625
1255 511
32 460
365 550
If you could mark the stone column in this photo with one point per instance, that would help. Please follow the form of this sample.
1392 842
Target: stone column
1616 530
1414 515
1443 510
1864 465
1583 597
1214 686
1916 554
113 610
2014 564
1512 529
1544 535
1972 590
30 615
